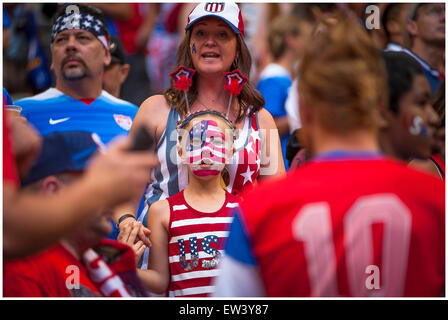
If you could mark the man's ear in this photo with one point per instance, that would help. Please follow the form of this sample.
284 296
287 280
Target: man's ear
51 185
124 71
107 58
411 27
385 118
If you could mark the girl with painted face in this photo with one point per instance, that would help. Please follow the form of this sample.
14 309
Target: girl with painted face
188 230
213 45
205 144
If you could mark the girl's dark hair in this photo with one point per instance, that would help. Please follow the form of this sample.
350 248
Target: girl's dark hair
401 70
249 96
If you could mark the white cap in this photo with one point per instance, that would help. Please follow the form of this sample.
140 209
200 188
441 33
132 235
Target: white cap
227 11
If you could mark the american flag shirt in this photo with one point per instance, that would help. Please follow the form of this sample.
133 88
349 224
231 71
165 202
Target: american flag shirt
244 166
196 245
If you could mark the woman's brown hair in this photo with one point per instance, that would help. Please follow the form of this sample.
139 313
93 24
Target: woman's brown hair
342 76
249 96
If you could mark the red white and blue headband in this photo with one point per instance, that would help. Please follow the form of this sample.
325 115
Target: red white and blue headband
83 21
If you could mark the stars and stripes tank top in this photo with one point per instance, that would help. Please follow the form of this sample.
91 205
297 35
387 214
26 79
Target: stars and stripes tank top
196 244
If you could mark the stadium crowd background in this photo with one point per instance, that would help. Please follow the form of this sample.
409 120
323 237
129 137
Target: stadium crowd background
144 42
154 30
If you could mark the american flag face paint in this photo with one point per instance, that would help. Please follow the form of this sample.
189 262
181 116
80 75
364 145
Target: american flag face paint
206 148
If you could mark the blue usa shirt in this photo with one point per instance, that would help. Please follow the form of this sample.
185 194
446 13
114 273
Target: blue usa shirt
274 85
52 110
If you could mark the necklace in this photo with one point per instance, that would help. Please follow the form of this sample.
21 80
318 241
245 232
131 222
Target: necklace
222 108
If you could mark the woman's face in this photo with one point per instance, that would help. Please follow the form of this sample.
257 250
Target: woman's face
413 128
213 46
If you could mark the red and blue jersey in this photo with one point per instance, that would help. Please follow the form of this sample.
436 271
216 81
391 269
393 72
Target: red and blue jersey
344 225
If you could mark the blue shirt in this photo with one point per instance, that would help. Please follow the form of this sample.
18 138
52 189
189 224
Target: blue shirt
53 110
274 85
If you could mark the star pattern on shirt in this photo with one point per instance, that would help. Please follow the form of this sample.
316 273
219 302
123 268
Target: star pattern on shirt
247 175
249 148
206 243
255 135
258 162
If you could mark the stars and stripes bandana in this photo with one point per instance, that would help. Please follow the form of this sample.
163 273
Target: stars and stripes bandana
82 21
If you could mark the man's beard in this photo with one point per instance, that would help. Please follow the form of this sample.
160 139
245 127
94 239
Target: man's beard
76 73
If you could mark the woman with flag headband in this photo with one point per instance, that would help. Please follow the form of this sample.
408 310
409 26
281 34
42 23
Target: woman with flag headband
213 45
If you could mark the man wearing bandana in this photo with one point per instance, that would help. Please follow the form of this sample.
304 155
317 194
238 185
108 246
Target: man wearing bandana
80 52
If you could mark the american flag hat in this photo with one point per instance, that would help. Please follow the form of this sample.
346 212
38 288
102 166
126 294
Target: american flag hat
227 11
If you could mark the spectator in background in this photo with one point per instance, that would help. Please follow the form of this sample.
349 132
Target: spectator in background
426 28
317 230
34 222
26 67
81 264
117 71
161 59
410 121
134 24
257 18
286 37
79 56
309 13
393 21
80 53
436 163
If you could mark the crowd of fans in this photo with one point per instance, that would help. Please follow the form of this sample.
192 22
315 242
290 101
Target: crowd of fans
290 147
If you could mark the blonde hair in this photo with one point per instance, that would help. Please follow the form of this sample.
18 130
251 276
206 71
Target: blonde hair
280 28
342 76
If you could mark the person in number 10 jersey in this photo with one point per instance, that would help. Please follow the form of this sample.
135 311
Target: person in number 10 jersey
351 222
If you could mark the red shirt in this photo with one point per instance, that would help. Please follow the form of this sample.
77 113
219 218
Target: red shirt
128 29
196 241
438 161
330 226
57 273
47 274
